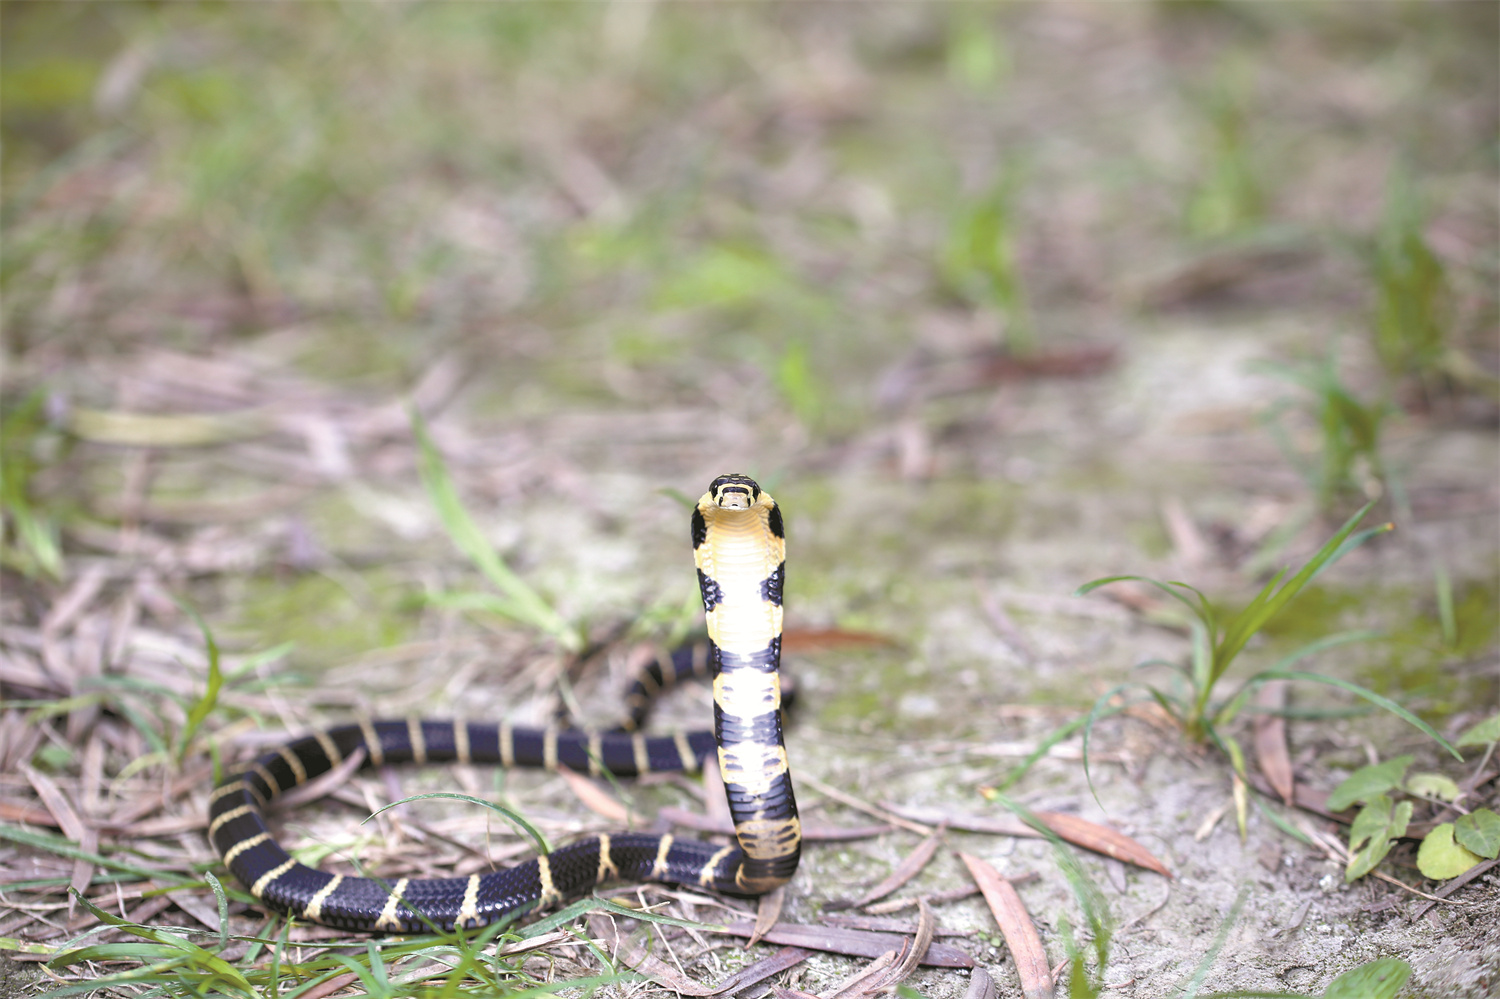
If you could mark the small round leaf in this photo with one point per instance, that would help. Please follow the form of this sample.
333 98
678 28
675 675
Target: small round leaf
1440 857
1427 785
1479 831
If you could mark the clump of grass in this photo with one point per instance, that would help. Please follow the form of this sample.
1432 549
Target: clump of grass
1348 463
1217 642
1413 298
979 260
517 600
28 533
1229 197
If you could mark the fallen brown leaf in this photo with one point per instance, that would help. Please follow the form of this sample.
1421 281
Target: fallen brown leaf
786 957
57 803
909 867
1102 839
1079 832
859 804
1271 751
981 985
767 912
596 799
854 943
1021 937
335 984
890 969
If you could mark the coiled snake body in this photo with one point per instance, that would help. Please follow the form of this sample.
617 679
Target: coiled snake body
739 548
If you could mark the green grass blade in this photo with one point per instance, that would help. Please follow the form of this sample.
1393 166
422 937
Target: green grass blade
1324 644
205 705
1058 735
524 604
1266 604
223 901
65 848
1095 714
1369 695
1236 701
1444 587
1202 610
1091 900
1279 822
1190 990
527 827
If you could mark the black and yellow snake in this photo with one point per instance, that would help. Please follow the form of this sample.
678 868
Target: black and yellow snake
740 551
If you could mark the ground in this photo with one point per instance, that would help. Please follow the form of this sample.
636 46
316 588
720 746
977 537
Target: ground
996 300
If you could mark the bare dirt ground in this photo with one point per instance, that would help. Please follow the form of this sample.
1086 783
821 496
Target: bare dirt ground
611 253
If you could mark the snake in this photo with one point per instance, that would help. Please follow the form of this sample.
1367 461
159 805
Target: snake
739 549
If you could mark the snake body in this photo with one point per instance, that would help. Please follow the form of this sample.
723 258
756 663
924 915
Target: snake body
739 549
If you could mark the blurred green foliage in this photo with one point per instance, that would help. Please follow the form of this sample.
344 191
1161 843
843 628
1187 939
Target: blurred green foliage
979 260
29 541
1229 197
1413 299
1348 467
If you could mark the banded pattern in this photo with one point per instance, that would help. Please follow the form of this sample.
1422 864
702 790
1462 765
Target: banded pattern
742 597
739 547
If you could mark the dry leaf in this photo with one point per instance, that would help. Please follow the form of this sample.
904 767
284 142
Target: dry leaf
854 943
864 981
52 797
595 798
1021 937
909 868
890 969
1206 827
1271 752
859 804
335 984
767 912
981 985
786 957
1102 839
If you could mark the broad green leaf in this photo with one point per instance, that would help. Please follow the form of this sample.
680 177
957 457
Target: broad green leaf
1485 732
1427 785
1371 819
1440 857
1382 825
1376 980
1367 782
1479 832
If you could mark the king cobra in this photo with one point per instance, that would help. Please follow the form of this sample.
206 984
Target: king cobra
740 550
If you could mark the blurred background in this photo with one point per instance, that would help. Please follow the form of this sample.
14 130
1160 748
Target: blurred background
944 272
995 298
